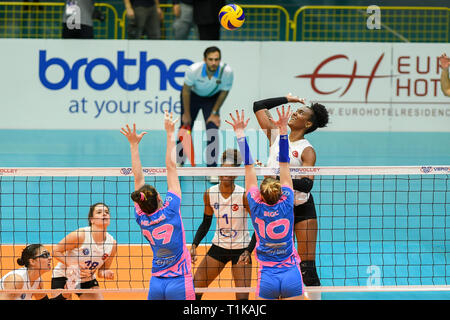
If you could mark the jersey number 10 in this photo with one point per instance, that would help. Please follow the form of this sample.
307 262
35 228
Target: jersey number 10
269 230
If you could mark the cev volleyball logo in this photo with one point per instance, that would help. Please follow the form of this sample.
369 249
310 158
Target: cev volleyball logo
85 251
426 169
126 171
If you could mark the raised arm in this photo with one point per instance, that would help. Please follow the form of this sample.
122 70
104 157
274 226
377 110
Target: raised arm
134 139
261 109
281 124
173 183
239 125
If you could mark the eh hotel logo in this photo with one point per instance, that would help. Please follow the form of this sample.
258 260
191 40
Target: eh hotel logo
115 72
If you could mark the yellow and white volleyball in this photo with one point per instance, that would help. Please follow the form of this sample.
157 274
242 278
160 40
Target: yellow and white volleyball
231 16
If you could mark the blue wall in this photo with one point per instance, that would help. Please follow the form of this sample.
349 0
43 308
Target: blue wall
91 148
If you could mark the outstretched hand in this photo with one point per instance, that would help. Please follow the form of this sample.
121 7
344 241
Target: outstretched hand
169 123
238 124
444 61
291 98
132 136
283 119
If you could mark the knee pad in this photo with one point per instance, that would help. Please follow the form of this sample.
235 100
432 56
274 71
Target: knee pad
309 273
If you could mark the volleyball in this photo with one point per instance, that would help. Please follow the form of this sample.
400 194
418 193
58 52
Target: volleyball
231 16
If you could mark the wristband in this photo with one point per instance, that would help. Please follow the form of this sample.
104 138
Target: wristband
245 151
284 148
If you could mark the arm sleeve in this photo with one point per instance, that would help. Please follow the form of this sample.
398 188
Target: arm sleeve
304 184
252 243
202 229
268 103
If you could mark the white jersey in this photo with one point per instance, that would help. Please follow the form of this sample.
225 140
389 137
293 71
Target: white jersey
295 160
90 254
231 218
23 273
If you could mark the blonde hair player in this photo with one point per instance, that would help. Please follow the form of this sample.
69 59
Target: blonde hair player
83 252
161 222
36 261
304 120
227 202
272 214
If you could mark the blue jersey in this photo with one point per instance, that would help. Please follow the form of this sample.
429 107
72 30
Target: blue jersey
274 229
165 232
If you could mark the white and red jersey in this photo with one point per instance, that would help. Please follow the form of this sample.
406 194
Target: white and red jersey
231 218
295 160
23 273
89 254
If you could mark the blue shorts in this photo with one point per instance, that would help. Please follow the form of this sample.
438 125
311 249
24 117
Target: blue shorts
275 283
172 288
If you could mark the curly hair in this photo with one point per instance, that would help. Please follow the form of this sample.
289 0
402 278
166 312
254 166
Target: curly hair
319 117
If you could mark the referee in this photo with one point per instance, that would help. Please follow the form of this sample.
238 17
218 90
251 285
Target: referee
206 86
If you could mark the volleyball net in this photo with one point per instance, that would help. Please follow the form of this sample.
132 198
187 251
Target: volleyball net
379 228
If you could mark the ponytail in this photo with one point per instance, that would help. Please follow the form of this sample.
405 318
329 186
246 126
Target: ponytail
147 198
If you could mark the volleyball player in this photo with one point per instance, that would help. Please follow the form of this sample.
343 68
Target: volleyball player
37 261
301 153
161 223
271 209
227 202
83 252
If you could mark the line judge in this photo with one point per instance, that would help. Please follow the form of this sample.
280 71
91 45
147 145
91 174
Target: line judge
206 86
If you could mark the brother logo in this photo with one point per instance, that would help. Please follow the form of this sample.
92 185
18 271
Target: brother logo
116 72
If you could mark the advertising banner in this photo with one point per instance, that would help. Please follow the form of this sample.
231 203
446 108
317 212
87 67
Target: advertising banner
81 84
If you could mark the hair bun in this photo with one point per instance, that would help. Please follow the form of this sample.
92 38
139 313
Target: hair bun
20 262
136 196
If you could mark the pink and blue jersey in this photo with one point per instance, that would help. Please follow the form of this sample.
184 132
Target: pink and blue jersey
165 232
273 226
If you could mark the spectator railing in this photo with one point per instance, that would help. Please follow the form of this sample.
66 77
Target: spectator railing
349 23
263 23
44 20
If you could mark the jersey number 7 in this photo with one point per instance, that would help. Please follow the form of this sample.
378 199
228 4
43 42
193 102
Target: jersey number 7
163 233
